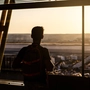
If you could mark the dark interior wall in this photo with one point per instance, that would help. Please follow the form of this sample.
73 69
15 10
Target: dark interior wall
68 83
10 87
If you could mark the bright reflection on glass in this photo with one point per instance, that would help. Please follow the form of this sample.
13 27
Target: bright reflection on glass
1 1
0 14
28 1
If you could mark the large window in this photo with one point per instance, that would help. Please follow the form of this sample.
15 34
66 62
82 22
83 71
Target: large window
62 35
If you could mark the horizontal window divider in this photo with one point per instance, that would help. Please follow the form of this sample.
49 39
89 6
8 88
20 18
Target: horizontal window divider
44 4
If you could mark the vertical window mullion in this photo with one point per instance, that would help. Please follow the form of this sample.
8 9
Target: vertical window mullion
82 40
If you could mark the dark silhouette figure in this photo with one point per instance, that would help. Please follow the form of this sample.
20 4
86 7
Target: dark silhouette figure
32 79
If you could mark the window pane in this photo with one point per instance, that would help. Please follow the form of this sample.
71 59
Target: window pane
62 36
1 1
87 41
0 13
28 1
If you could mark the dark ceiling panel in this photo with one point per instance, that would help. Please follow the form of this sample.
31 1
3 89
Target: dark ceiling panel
45 4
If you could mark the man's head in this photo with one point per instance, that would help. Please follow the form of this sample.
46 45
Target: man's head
37 33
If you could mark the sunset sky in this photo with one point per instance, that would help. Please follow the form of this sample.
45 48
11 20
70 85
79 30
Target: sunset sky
54 20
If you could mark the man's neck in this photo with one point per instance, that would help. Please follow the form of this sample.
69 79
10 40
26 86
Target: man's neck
36 42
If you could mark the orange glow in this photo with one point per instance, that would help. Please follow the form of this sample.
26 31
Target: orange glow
54 20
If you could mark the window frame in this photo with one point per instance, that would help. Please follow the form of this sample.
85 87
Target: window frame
53 4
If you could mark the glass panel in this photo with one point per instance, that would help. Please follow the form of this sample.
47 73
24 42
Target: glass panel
28 1
62 37
87 41
1 1
0 14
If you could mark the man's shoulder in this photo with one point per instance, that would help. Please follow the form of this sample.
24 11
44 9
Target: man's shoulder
23 49
44 48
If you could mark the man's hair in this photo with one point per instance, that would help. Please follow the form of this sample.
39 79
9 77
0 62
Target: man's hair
37 32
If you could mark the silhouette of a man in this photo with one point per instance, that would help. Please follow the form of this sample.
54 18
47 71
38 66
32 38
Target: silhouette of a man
37 83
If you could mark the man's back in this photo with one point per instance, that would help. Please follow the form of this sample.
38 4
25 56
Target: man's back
32 83
45 62
40 65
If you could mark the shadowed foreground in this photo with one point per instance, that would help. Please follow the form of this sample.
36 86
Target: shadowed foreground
57 82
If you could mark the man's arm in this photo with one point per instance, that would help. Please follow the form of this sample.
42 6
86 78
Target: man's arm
17 62
48 64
